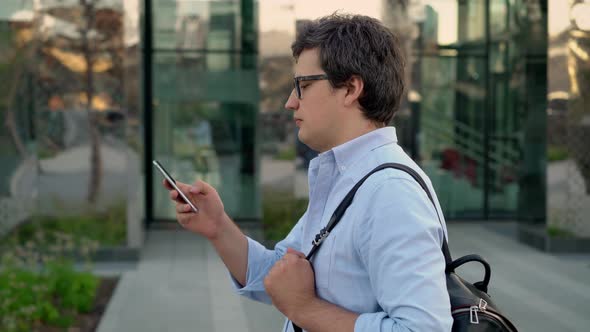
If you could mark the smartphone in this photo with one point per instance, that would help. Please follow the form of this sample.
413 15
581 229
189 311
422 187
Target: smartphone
172 182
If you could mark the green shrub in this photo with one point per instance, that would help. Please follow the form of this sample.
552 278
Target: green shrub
287 154
49 297
281 211
37 285
557 153
555 231
107 229
76 290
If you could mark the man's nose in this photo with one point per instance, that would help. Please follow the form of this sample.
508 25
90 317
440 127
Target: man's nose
292 102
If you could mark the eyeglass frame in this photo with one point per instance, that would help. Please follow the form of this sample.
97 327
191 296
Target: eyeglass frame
298 79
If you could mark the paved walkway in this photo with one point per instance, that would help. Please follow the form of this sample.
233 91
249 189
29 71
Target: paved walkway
181 285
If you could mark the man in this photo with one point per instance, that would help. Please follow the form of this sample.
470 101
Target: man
381 268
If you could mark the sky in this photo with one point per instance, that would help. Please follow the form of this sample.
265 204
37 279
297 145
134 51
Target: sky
558 12
281 14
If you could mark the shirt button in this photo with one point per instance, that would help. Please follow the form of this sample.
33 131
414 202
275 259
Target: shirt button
343 168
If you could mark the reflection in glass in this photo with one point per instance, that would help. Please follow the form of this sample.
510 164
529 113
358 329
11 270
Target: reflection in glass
17 154
475 106
72 111
450 133
568 113
205 102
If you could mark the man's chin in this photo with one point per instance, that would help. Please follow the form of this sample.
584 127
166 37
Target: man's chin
301 137
306 141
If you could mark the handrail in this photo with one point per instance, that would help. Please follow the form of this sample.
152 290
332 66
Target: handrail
496 161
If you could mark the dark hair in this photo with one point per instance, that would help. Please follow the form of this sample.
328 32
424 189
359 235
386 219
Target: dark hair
358 45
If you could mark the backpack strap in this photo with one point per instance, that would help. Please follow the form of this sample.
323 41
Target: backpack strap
339 212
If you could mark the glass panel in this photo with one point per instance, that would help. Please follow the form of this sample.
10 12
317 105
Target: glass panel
205 128
196 25
530 69
17 149
67 102
69 180
501 136
81 117
436 22
450 131
498 18
472 22
505 147
568 119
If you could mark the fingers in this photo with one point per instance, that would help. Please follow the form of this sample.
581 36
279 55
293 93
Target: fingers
175 196
174 193
183 186
183 219
167 185
295 252
292 255
200 187
183 208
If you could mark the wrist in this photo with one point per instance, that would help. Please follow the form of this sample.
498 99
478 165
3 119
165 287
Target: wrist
320 315
305 311
223 229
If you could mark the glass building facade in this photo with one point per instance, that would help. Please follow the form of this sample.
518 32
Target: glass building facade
71 151
92 91
204 100
476 107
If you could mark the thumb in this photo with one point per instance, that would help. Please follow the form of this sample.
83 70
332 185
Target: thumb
183 186
295 252
200 187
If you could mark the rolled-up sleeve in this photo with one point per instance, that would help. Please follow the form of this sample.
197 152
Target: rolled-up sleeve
400 244
260 261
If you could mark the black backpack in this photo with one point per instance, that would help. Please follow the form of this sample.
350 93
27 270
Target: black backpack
471 306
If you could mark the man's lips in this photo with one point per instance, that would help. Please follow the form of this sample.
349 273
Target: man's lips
297 121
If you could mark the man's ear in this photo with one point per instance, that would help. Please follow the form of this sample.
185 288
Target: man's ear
354 90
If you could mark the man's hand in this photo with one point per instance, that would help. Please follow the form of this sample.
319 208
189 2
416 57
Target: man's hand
211 216
212 222
291 283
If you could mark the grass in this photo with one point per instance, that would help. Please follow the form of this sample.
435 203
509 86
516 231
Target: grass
557 153
107 229
555 231
287 154
39 286
52 297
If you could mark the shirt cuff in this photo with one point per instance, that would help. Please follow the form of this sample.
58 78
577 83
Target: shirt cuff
372 322
258 266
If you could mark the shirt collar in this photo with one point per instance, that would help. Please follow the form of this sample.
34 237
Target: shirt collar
348 153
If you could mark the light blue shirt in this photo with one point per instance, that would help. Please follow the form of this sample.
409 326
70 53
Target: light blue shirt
383 260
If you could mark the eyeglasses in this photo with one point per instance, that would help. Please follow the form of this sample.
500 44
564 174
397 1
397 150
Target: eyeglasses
298 79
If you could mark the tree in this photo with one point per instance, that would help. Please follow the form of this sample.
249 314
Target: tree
86 53
12 72
579 106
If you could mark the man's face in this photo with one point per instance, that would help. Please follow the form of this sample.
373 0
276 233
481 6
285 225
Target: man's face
317 112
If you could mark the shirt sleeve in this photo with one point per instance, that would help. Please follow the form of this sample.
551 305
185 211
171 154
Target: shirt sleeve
261 260
400 244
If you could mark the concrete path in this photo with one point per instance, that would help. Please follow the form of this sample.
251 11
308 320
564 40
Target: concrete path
181 285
